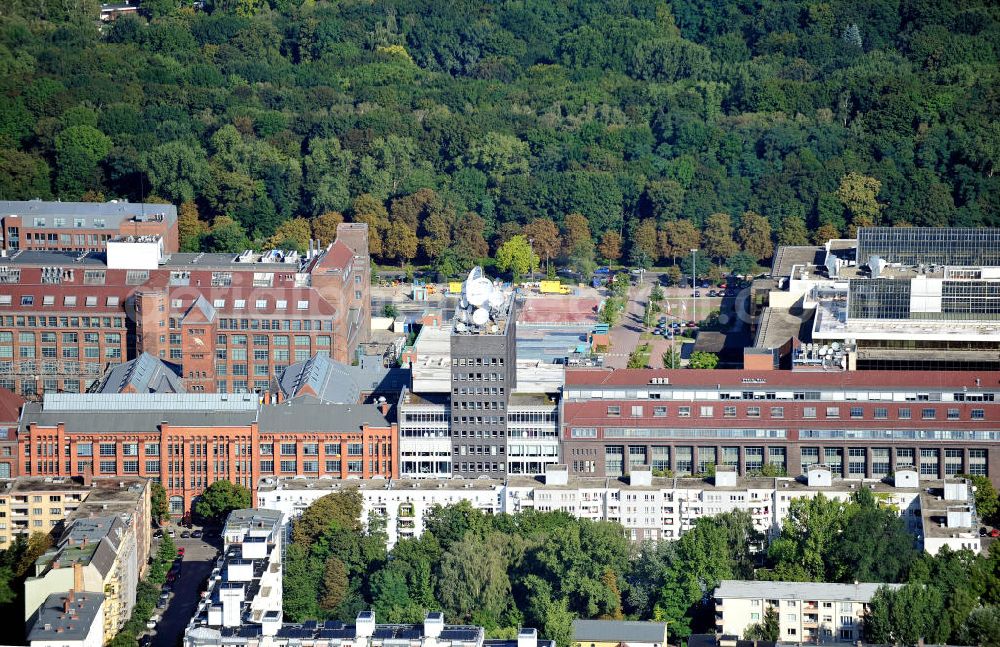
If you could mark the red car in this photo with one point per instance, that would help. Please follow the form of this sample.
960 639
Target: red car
180 551
995 532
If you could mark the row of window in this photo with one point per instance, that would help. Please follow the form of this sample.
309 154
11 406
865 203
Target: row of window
855 413
33 321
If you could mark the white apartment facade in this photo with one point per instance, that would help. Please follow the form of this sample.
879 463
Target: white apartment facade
648 508
244 588
808 612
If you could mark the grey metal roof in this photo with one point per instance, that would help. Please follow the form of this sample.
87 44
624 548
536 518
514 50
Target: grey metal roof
73 402
145 374
307 413
619 631
123 420
334 381
113 213
749 589
52 623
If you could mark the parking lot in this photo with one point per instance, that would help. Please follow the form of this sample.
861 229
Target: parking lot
199 558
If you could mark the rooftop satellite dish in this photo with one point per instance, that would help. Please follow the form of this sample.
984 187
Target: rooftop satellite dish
480 317
477 291
836 346
462 315
460 327
496 298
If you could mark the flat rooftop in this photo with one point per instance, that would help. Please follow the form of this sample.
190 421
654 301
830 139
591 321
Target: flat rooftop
54 624
826 591
831 322
778 325
560 309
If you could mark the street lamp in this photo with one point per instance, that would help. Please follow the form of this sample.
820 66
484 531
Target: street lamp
694 282
531 244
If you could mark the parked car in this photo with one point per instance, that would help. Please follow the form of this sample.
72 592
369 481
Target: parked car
159 533
696 293
151 623
603 270
185 535
662 320
171 533
995 532
197 534
162 602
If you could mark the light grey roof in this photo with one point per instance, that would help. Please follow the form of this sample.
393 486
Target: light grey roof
113 213
306 413
749 589
334 381
253 517
201 304
145 374
125 421
52 623
619 630
74 402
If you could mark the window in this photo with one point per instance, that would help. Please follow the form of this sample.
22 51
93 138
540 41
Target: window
637 411
288 466
777 412
953 414
753 412
809 412
107 467
659 412
614 410
27 300
928 414
728 412
707 412
107 449
684 412
355 449
904 413
288 449
978 414
881 413
857 412
833 412
303 305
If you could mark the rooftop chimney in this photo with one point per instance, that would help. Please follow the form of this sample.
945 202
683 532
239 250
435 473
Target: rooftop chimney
77 578
527 637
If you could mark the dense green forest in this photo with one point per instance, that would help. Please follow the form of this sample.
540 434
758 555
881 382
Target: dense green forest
543 569
450 126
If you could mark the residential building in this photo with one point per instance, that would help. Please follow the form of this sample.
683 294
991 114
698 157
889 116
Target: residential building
70 619
229 323
244 588
402 504
189 440
648 508
808 612
83 226
921 298
96 554
242 604
619 633
862 424
10 413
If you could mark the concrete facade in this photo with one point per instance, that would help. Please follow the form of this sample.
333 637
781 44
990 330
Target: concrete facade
808 612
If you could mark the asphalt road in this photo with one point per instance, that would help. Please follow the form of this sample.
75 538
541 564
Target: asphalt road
199 558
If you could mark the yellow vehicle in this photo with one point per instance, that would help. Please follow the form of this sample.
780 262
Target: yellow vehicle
553 287
455 287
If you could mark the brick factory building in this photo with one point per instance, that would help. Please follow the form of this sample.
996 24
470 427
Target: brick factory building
189 440
229 323
864 424
82 226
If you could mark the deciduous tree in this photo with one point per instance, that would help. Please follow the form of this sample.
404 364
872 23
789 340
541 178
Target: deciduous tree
219 499
718 237
324 227
516 257
755 235
611 246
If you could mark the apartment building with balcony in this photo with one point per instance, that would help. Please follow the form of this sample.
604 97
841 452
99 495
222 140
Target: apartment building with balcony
808 612
10 413
649 509
229 323
861 424
82 226
96 554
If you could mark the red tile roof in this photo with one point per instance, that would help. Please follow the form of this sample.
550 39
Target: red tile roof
316 304
726 378
338 257
59 292
10 406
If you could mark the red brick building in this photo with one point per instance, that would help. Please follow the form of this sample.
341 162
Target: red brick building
188 441
10 412
863 424
229 322
82 226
